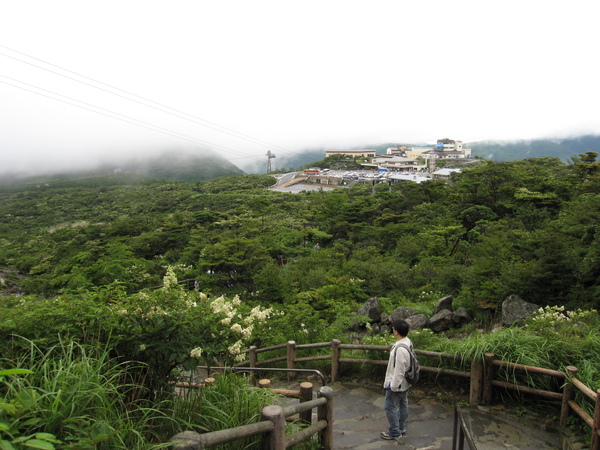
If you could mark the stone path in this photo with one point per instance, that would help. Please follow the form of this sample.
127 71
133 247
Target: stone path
359 420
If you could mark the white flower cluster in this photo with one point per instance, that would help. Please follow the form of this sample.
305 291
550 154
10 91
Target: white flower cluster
557 314
552 314
196 352
170 279
243 327
258 313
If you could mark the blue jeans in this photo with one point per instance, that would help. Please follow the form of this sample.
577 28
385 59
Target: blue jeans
396 410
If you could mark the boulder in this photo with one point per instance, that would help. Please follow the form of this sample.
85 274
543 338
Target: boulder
441 321
385 329
460 317
402 312
371 309
443 303
515 310
417 322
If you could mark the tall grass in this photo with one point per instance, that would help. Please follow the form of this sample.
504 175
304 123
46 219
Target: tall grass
87 400
229 403
82 397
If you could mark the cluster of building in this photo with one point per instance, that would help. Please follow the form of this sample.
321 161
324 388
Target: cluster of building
409 159
400 163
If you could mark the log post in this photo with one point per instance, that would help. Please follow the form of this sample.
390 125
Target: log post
325 412
488 378
253 361
306 395
476 381
291 359
276 438
186 440
596 424
567 396
265 383
335 359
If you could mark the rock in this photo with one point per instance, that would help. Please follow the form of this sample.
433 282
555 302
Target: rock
385 318
441 321
402 312
515 310
460 317
443 303
371 309
417 322
385 329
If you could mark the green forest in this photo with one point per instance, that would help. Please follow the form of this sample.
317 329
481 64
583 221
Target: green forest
98 276
525 227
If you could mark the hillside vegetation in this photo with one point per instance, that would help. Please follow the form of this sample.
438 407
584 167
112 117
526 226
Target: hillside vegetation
525 227
90 285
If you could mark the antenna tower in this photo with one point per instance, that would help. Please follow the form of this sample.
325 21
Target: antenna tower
269 157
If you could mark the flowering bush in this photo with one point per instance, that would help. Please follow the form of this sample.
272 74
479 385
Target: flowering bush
556 319
172 327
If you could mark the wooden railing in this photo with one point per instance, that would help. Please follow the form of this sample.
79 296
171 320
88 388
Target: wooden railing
482 375
273 424
461 432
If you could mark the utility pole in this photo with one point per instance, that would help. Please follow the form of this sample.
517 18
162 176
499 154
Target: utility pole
269 157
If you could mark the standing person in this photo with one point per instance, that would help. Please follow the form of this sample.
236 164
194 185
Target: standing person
396 387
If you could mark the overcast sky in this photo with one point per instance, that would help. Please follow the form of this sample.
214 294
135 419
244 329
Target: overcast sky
82 80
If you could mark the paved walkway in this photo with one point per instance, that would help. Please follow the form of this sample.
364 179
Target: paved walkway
359 420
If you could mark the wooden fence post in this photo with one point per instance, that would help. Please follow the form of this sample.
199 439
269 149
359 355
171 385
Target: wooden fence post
274 414
567 396
265 383
335 359
253 357
488 378
325 412
596 424
291 358
306 395
187 440
476 381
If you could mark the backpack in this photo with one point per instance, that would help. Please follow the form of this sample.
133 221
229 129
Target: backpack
414 369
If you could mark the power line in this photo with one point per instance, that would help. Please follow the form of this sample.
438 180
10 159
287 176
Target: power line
159 107
121 117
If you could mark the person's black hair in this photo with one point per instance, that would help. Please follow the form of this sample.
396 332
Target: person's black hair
401 326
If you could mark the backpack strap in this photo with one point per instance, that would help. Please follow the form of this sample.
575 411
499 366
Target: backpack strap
409 349
396 349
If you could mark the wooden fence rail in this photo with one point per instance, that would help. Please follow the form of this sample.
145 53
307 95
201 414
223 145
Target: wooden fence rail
482 375
272 426
461 432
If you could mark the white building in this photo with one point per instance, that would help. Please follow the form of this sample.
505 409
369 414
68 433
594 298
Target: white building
396 163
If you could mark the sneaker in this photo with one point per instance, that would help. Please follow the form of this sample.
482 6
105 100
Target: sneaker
388 436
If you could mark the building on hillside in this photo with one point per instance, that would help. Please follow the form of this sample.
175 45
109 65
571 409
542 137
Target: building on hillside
312 171
448 149
396 163
397 150
413 177
366 153
444 174
417 152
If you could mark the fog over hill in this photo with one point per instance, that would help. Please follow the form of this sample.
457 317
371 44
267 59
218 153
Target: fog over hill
193 164
172 164
562 148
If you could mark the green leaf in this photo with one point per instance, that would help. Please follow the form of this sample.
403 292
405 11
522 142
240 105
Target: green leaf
15 372
5 445
37 443
47 437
